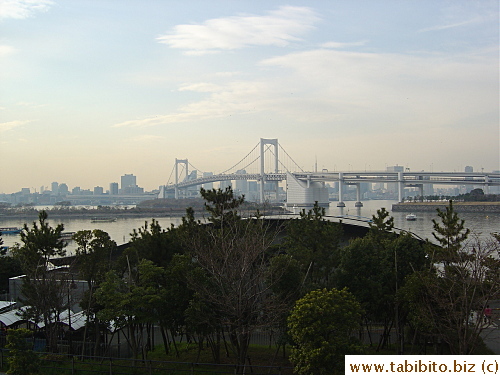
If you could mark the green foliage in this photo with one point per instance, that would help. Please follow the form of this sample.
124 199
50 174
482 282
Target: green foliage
39 244
450 233
174 293
44 293
382 225
366 270
285 277
154 243
231 254
94 252
445 301
477 195
314 243
375 266
9 267
22 360
322 325
222 205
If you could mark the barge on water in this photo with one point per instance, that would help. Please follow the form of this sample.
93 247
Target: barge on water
10 230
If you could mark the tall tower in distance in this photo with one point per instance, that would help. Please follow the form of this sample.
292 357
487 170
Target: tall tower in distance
55 188
113 188
128 180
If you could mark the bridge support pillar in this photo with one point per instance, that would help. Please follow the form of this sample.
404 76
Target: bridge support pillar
400 187
358 196
177 162
421 191
264 142
341 188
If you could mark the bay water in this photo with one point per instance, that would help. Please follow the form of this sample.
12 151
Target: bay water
481 224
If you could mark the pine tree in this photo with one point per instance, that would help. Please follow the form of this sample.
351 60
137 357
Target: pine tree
450 233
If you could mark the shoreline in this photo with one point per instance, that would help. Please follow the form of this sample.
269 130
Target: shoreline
115 214
96 214
484 207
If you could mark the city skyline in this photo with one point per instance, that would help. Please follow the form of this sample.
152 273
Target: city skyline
107 188
94 89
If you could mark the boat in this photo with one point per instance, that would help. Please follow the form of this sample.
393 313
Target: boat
103 219
411 217
67 236
10 230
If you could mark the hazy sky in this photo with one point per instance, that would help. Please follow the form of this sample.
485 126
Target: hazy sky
91 90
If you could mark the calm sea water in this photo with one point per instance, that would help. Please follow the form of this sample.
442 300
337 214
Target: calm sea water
120 230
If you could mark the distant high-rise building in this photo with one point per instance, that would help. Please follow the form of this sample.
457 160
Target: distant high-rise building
55 188
253 191
395 168
128 180
63 189
468 169
76 190
98 190
392 187
241 186
113 188
192 191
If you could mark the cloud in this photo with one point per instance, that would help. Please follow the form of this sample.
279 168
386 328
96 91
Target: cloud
221 101
277 28
451 25
6 126
147 138
6 50
394 89
322 89
21 9
342 45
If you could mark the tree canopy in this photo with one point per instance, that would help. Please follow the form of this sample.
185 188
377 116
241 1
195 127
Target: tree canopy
322 326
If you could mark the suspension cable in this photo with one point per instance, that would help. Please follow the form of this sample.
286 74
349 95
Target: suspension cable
171 173
194 168
257 158
286 153
241 159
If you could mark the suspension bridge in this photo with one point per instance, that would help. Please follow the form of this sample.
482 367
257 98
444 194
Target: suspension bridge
268 164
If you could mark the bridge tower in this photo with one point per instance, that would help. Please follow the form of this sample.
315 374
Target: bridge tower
264 142
186 165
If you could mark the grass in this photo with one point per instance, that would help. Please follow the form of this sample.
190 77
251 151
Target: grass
158 363
188 362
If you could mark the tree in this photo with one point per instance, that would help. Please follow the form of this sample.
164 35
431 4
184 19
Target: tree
231 252
314 242
382 225
222 205
286 278
446 301
22 359
44 293
374 267
39 244
451 232
9 267
128 305
154 243
93 254
322 325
